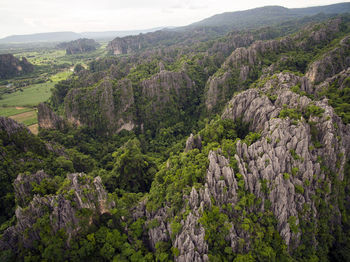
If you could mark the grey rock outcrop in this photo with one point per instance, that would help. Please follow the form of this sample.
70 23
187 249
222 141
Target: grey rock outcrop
340 79
287 147
284 168
11 127
23 186
59 211
79 46
193 142
48 119
162 84
331 63
105 107
243 62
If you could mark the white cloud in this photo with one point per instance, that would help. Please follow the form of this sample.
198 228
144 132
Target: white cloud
33 16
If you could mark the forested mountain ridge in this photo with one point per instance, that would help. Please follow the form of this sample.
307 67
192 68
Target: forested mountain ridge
267 15
115 173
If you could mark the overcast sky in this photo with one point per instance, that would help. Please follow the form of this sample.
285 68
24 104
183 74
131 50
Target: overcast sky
36 16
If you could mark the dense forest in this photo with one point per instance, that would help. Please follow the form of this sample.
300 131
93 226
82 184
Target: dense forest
214 142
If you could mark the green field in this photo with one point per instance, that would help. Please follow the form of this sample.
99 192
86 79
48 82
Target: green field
27 118
59 57
61 76
53 65
33 95
11 111
29 97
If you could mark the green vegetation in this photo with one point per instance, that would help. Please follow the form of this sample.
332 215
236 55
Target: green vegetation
339 99
148 173
28 97
11 111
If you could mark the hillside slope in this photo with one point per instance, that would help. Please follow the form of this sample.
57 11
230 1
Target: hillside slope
216 148
267 15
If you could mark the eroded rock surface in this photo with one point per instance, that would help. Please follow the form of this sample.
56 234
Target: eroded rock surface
48 119
284 168
331 63
243 62
60 211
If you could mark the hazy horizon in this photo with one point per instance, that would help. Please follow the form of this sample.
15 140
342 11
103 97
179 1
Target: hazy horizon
19 17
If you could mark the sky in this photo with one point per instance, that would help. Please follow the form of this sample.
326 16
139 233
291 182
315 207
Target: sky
37 16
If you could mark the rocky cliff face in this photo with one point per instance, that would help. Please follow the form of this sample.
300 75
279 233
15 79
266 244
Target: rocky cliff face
331 63
244 62
288 147
11 66
47 119
23 186
103 107
164 96
79 46
162 85
11 127
285 168
110 107
57 212
132 44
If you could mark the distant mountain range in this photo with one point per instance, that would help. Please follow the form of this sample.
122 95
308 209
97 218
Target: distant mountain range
264 16
267 15
70 36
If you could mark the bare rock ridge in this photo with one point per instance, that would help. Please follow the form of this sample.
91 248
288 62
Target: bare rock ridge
331 63
110 106
242 64
193 142
23 186
11 127
284 168
80 104
60 211
131 44
47 119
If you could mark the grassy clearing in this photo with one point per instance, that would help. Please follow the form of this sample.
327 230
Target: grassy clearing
27 118
29 97
11 111
34 94
61 76
43 57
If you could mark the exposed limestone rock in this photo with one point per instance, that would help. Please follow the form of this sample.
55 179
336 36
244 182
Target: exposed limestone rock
11 127
244 61
60 211
340 79
216 89
79 46
271 156
190 242
331 63
160 85
193 142
282 167
106 107
132 44
23 186
47 119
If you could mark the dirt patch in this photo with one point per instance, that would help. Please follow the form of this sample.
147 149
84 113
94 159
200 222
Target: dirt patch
19 107
24 116
34 129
